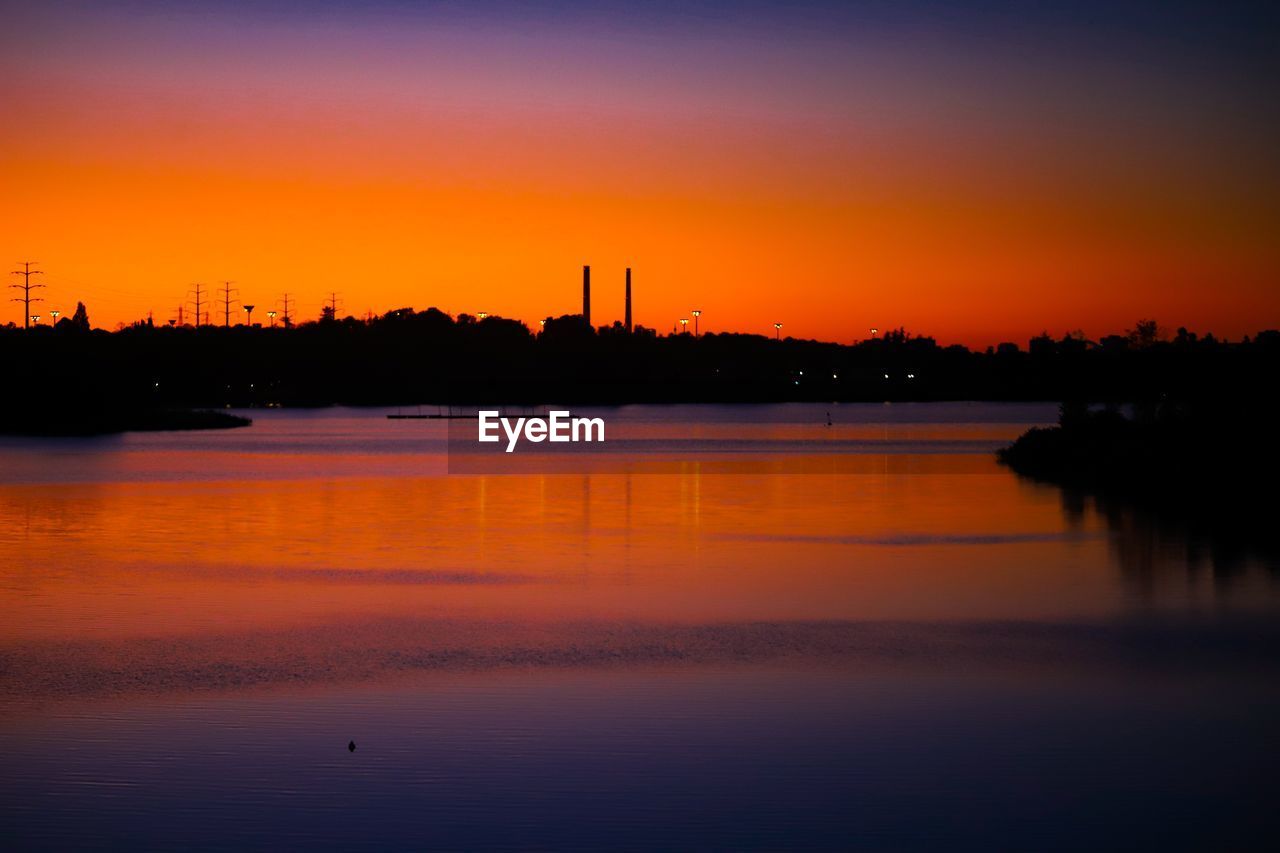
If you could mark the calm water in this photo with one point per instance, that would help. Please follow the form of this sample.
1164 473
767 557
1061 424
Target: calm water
747 629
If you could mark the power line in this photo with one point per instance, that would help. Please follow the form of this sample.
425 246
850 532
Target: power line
333 305
288 318
198 300
227 290
26 299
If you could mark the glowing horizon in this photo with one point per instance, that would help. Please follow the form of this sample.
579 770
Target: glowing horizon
971 176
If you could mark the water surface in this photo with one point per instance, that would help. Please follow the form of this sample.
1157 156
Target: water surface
866 635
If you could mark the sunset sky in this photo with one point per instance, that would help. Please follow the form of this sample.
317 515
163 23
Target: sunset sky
976 171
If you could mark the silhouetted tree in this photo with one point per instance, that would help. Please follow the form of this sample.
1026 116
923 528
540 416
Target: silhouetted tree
80 319
1144 333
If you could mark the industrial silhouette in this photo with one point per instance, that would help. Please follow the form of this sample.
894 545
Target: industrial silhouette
627 322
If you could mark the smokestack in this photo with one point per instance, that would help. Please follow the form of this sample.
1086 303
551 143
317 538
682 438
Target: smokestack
586 294
628 320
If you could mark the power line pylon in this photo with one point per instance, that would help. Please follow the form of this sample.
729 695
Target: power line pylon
333 305
198 299
26 299
229 294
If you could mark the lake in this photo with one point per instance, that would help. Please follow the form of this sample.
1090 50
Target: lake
737 627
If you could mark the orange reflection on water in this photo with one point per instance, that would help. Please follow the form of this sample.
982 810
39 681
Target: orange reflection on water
142 559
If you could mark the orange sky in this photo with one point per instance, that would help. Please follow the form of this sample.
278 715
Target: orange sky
831 181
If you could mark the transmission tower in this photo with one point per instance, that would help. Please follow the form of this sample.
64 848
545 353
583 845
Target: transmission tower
288 318
229 294
26 298
197 297
332 305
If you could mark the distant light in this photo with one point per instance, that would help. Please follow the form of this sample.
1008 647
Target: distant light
886 376
833 376
911 376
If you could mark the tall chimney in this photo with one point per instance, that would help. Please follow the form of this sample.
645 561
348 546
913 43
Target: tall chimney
628 320
586 294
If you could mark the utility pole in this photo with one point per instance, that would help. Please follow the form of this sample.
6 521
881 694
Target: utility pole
288 320
227 292
199 300
333 305
26 299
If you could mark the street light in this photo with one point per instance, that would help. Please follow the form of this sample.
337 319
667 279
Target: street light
873 334
35 318
248 315
482 314
696 314
684 325
271 316
55 315
777 331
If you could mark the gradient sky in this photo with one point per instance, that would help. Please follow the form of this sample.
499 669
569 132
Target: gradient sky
977 171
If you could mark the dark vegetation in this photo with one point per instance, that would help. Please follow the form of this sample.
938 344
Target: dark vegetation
406 357
1205 466
62 382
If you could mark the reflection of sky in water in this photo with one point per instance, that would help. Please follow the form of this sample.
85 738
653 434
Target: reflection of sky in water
924 649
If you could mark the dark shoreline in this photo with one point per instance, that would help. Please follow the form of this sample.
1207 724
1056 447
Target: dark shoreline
62 424
1205 469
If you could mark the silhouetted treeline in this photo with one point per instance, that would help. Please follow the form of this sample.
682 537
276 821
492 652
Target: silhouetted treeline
1204 466
408 356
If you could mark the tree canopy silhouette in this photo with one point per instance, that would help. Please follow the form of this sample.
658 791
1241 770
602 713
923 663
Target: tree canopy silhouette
410 356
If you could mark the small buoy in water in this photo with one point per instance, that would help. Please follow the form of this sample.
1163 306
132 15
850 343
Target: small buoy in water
351 747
